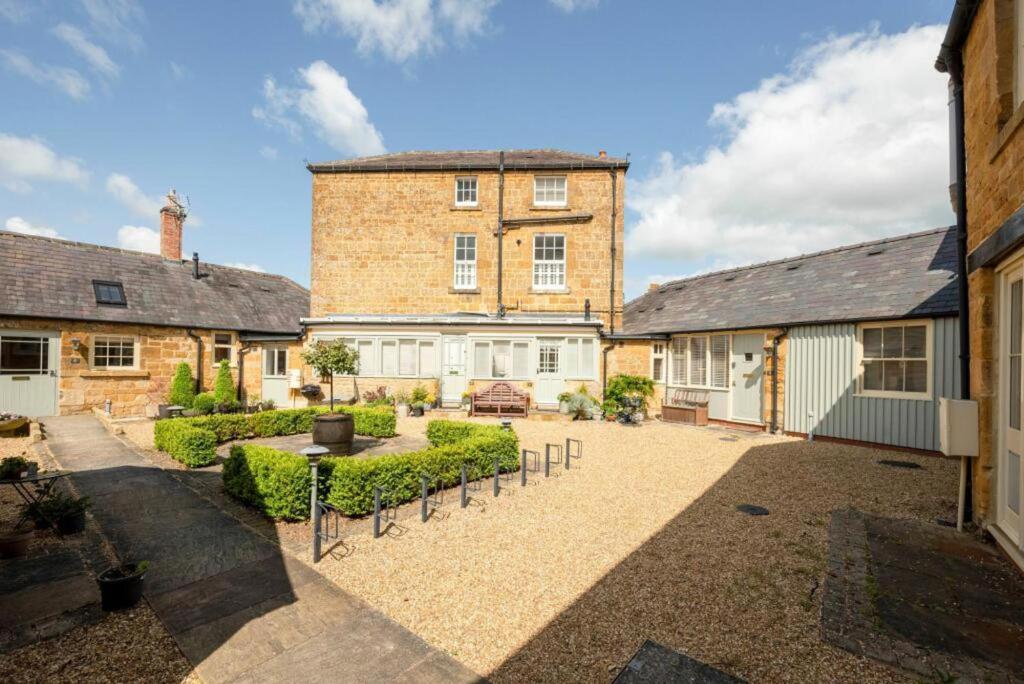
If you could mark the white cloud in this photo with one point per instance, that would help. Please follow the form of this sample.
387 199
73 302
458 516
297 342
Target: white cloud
179 72
849 144
324 101
398 29
15 11
268 152
25 160
125 191
139 239
569 6
246 267
94 54
118 21
70 81
17 224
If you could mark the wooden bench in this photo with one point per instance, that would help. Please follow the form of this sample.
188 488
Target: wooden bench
686 406
501 399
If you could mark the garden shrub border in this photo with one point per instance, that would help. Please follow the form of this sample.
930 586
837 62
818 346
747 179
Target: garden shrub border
270 480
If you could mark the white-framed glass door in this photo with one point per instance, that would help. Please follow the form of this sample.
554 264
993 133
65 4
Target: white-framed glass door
28 372
1009 473
275 374
453 369
550 382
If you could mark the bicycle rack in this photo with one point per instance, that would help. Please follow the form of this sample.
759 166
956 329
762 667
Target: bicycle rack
428 502
569 444
323 516
387 514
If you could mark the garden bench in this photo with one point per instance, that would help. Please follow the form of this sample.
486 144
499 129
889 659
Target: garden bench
500 399
686 406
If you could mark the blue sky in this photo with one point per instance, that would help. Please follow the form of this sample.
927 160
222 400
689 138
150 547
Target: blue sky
830 123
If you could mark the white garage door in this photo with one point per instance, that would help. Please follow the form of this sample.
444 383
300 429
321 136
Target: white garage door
28 372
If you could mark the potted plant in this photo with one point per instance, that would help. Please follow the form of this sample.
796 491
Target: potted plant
333 430
630 391
563 402
430 402
121 585
416 409
580 406
14 468
419 398
15 543
67 511
402 404
13 425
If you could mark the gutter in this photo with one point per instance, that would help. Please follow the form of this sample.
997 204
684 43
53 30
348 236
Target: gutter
956 34
199 359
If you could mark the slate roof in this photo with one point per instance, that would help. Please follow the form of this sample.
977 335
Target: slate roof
903 277
50 278
470 160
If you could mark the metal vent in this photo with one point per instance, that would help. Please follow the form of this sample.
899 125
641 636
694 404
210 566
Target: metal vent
729 279
876 252
793 267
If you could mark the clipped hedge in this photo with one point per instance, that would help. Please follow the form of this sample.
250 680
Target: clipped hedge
194 446
350 482
277 482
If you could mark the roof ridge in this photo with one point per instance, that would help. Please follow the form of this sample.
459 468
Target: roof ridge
808 255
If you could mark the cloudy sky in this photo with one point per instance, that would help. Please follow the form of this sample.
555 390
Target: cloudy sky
756 130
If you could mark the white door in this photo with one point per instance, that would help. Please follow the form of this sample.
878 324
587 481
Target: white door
28 372
549 383
747 371
453 370
1010 475
275 374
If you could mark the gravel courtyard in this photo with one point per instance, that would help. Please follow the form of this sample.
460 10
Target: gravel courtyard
565 579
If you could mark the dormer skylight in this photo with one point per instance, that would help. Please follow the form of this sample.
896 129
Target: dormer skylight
109 293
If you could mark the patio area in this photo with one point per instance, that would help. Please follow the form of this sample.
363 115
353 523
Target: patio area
641 539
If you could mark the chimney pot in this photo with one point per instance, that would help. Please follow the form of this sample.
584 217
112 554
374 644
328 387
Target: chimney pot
602 154
653 287
172 220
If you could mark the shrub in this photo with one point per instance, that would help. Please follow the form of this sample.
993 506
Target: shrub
275 482
183 387
283 421
378 397
226 426
185 442
204 403
581 406
629 386
350 482
419 394
224 386
369 421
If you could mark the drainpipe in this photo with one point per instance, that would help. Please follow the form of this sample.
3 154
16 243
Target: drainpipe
611 286
604 368
775 379
199 359
501 227
955 66
241 370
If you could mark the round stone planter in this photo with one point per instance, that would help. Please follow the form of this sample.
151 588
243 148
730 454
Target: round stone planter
15 544
334 431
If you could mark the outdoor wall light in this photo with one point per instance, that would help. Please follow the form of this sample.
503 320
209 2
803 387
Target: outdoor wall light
75 344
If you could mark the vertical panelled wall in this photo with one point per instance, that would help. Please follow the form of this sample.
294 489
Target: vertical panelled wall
821 378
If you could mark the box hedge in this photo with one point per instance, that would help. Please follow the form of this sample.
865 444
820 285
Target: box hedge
191 445
277 482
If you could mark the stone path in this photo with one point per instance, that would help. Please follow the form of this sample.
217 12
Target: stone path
238 608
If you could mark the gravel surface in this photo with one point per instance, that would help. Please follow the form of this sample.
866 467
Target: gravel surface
565 579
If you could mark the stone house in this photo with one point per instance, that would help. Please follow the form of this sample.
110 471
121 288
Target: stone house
853 344
457 269
82 325
983 53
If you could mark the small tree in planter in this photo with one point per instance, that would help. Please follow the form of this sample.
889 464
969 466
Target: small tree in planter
183 387
333 430
224 388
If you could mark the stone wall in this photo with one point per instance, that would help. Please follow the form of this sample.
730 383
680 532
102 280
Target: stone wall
994 139
136 392
383 243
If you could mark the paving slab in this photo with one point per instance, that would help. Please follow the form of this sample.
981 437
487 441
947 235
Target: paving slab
239 609
657 664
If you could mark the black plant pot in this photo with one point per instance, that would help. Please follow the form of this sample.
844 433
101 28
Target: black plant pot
72 523
334 431
121 586
416 411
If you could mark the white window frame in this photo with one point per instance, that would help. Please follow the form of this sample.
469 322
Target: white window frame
121 338
929 357
475 191
490 342
671 365
659 351
558 287
468 264
271 351
577 373
564 202
216 345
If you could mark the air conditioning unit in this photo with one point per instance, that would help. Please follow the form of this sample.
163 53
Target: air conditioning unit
958 427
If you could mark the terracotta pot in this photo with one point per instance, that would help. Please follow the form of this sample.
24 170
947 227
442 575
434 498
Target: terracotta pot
15 544
334 431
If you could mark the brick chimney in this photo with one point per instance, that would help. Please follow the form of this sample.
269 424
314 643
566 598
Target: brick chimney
653 287
172 219
602 154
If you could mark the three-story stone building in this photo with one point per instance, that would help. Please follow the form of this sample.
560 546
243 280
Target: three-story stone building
457 269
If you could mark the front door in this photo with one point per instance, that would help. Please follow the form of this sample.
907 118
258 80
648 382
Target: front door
747 371
453 370
28 372
1010 475
275 374
549 371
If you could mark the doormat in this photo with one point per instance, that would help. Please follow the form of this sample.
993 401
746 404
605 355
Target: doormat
656 663
924 598
899 464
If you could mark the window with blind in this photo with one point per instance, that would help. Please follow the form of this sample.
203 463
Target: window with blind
679 347
698 361
389 357
501 359
895 360
579 359
720 361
